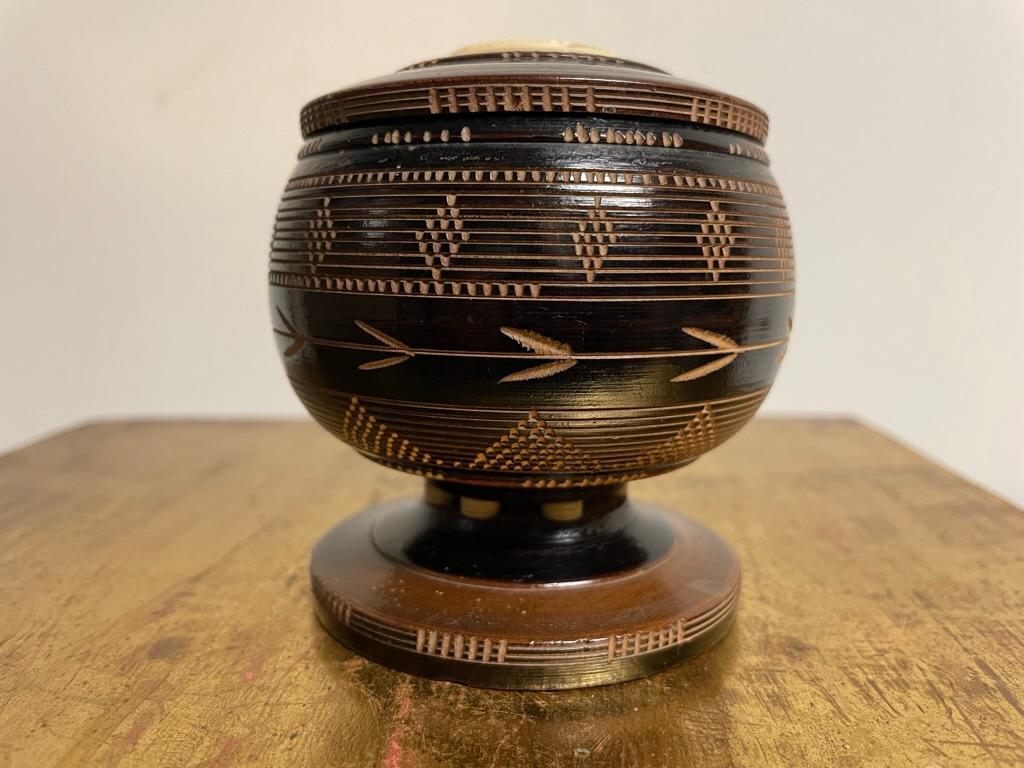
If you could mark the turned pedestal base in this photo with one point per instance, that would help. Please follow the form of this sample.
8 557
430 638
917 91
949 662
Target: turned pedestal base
524 590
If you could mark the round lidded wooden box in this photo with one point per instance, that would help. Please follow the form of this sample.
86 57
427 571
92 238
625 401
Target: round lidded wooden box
530 276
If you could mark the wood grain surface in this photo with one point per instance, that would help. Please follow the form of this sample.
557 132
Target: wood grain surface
155 611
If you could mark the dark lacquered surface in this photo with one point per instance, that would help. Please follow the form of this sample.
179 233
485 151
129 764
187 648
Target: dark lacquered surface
520 544
530 279
523 632
384 234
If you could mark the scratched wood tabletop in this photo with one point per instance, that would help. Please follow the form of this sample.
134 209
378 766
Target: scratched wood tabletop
154 610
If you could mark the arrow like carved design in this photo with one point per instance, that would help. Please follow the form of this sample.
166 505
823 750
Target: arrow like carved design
540 345
388 341
298 340
716 340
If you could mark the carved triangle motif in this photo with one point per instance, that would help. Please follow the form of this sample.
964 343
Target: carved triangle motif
698 436
532 446
362 430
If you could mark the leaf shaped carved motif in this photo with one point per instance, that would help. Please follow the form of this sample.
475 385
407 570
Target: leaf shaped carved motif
388 341
543 346
716 340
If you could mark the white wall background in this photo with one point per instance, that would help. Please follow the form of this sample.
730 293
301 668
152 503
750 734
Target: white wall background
143 146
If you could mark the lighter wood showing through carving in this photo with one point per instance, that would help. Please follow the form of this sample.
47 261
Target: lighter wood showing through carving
716 340
727 238
541 345
716 239
591 242
488 650
531 445
388 341
561 356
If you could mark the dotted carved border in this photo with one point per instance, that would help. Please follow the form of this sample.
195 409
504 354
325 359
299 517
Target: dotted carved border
594 131
550 176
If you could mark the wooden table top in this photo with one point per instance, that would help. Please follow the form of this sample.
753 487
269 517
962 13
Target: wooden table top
154 610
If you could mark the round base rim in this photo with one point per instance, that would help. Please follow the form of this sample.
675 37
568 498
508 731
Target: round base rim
403 617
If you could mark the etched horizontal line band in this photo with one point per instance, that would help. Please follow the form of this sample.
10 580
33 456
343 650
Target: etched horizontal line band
539 93
515 355
470 423
479 649
554 413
